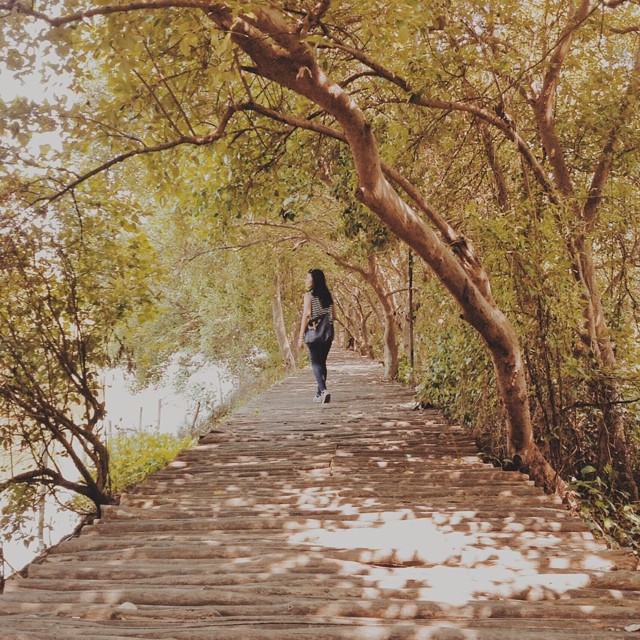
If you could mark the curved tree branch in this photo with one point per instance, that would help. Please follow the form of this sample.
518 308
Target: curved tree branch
312 18
215 135
421 99
543 104
50 477
627 107
78 16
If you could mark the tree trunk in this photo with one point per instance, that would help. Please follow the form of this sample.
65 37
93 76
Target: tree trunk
390 344
280 327
390 355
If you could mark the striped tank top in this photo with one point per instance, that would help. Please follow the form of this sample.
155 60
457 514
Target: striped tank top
318 310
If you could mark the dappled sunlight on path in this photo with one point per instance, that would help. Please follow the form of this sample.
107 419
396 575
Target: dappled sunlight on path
360 519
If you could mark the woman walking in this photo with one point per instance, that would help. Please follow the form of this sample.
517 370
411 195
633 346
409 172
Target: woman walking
317 303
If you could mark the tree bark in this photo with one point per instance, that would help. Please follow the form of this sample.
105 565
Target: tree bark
390 344
280 327
502 193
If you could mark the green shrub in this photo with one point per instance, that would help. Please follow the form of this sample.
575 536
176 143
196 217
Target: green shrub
609 513
133 456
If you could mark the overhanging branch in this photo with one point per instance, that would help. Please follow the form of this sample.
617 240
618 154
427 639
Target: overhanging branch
214 136
47 477
79 16
421 99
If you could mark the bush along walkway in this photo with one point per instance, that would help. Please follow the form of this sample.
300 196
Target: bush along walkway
362 518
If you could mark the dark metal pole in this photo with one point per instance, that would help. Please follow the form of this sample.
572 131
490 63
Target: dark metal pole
1 569
411 356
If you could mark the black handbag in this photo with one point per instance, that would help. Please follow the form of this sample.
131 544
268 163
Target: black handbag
320 330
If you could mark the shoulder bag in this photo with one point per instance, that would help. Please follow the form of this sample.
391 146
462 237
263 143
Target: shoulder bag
319 330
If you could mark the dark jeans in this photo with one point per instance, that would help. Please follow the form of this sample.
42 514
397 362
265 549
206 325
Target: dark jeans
318 352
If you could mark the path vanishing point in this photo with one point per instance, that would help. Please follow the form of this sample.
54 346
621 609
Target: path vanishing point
359 519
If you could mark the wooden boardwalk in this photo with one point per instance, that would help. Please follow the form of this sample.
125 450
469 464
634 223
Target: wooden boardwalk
360 519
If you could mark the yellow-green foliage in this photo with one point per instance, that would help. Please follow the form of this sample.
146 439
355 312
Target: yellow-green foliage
133 456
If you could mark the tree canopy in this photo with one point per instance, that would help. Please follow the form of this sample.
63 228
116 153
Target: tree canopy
497 141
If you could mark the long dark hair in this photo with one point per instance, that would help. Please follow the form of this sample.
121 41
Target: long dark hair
320 289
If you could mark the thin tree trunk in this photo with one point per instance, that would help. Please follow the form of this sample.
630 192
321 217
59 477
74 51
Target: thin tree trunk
280 327
502 193
390 344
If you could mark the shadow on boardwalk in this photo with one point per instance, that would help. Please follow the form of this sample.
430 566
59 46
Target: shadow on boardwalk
358 519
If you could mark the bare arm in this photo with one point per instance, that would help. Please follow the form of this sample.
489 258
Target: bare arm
306 314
